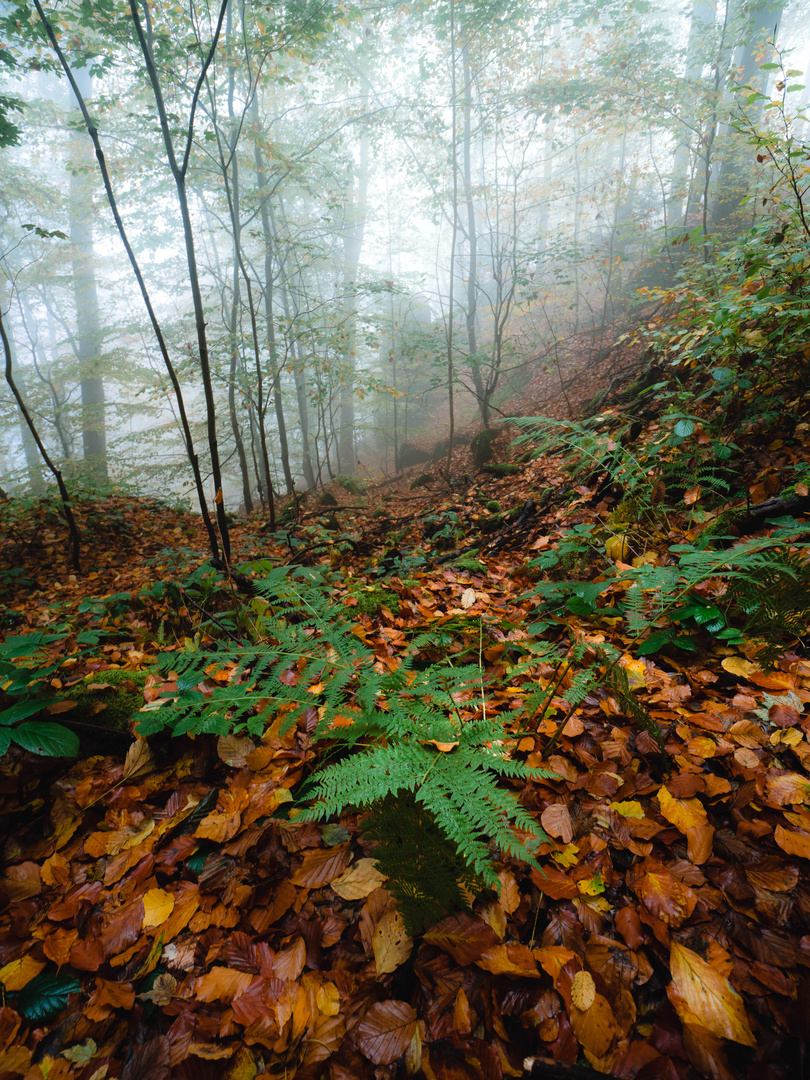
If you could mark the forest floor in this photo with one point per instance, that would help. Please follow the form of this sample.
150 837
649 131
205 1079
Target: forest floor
164 921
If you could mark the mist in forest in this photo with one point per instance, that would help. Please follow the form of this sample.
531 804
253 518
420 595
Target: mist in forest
247 249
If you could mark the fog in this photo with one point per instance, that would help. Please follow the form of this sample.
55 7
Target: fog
358 227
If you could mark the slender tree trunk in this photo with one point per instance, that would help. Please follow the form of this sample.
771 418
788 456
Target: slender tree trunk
471 313
57 475
701 28
88 323
298 367
450 313
92 131
269 277
353 231
179 171
32 457
730 184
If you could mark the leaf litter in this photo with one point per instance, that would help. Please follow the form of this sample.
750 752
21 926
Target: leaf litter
164 918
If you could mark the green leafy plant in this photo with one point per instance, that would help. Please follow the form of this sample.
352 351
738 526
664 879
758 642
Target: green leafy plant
397 736
24 671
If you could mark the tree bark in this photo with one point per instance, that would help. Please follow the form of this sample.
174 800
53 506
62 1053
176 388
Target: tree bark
88 323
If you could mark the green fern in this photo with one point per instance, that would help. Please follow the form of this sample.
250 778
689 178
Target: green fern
405 746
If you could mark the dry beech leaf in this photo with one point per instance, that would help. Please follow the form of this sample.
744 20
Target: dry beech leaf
390 943
21 882
794 843
684 814
666 897
462 1014
510 959
17 974
444 747
321 866
222 984
468 598
163 990
509 896
583 990
556 820
139 760
788 788
234 751
596 1027
738 665
359 881
157 907
464 937
702 996
386 1030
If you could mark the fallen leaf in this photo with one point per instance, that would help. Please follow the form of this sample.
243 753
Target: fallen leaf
556 820
139 760
157 907
18 973
359 881
391 944
321 866
385 1031
704 997
794 843
583 990
738 665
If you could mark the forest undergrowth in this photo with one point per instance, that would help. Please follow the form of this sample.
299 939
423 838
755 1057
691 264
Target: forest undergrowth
459 773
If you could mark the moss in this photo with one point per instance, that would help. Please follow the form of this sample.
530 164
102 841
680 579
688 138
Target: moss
122 697
626 512
467 562
372 599
493 506
380 514
421 481
327 499
491 524
502 469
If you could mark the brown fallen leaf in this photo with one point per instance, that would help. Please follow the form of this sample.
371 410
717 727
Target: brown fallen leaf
386 1030
556 820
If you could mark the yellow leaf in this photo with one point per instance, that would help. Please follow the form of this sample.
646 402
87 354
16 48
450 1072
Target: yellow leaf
684 814
636 671
359 881
738 665
617 548
591 886
327 999
583 990
391 943
702 996
631 809
18 973
569 856
157 907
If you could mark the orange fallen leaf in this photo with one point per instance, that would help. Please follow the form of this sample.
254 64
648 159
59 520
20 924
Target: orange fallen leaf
18 973
794 843
700 995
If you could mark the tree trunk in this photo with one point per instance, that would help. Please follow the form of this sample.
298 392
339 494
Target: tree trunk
88 323
354 224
